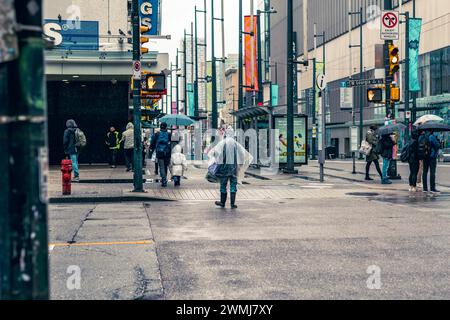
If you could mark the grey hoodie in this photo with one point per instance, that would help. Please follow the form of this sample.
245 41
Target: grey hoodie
128 137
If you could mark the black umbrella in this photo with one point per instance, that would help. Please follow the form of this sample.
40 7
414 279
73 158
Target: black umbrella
391 128
434 126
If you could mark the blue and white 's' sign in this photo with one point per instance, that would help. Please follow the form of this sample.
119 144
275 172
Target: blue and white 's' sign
73 35
150 14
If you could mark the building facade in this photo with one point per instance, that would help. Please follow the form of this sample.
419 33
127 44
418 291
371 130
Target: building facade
88 71
331 19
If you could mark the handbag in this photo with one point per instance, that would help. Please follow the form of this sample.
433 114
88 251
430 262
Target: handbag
365 148
211 175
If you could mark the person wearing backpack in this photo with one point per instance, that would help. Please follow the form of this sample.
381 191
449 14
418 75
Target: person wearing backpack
372 156
70 147
128 145
429 147
161 145
413 160
386 146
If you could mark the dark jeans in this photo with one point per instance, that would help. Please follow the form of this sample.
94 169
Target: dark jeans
431 165
163 164
177 180
129 158
377 165
113 156
224 184
413 172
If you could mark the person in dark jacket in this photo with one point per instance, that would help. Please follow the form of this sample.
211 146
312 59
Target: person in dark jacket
113 143
372 157
430 163
70 148
413 161
161 144
387 145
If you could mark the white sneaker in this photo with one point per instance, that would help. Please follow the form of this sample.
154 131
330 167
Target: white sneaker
410 189
414 189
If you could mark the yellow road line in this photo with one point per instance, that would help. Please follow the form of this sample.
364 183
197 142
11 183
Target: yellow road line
93 244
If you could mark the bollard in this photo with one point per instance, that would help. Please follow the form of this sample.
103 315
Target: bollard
66 169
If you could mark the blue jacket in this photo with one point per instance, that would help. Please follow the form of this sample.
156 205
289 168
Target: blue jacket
435 146
69 141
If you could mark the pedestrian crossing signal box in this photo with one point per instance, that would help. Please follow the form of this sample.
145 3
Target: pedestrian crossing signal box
153 85
375 95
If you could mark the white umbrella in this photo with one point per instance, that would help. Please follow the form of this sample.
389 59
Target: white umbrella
429 117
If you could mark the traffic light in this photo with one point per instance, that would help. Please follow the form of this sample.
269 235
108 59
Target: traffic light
394 60
375 95
144 39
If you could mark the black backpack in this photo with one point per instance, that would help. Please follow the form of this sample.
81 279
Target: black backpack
424 148
406 152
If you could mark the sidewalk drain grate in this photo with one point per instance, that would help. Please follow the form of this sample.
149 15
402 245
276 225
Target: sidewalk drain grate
363 194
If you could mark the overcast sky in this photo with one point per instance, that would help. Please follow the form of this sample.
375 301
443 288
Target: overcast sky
178 15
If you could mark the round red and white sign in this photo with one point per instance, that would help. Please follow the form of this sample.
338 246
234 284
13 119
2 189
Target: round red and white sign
390 20
137 66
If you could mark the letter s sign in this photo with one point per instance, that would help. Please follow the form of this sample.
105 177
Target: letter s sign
149 12
51 30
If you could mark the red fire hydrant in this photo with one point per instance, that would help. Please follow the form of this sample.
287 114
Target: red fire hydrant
66 169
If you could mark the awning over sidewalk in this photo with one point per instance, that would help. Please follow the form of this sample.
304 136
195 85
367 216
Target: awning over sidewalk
250 112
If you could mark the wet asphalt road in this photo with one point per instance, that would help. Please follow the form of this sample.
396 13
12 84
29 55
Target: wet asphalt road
304 249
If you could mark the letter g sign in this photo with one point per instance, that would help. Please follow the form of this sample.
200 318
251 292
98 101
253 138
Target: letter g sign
146 8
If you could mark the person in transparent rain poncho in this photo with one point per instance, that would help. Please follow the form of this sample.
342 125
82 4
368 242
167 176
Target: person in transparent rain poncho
232 161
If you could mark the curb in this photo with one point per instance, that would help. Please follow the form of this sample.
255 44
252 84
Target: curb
106 199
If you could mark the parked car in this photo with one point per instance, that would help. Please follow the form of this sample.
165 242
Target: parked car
445 155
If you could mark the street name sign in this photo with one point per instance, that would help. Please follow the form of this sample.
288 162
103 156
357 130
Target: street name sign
362 82
390 25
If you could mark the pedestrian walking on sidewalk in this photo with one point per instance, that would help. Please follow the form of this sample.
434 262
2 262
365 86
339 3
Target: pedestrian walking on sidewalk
387 144
70 147
413 160
128 145
161 145
429 147
145 151
372 156
113 143
232 161
178 165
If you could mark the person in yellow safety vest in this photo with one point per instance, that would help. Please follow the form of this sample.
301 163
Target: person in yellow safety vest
113 143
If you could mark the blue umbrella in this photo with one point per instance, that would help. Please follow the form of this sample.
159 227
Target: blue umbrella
177 120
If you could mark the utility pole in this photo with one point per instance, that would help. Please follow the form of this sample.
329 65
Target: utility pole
23 189
185 74
177 85
361 72
407 65
214 72
240 62
389 112
137 159
289 90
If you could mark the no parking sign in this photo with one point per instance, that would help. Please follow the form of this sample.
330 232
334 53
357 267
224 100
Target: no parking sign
390 25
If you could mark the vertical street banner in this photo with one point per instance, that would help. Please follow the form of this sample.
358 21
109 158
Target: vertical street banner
9 49
274 97
174 108
150 14
190 100
251 78
415 28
